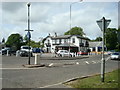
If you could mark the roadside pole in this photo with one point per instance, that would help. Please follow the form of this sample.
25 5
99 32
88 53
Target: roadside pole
103 57
103 24
28 34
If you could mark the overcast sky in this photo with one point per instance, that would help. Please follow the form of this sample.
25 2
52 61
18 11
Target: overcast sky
51 17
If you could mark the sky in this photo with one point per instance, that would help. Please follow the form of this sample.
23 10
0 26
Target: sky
50 17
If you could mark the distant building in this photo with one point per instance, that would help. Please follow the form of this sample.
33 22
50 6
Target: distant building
2 45
74 43
96 46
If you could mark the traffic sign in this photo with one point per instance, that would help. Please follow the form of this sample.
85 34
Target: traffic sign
101 21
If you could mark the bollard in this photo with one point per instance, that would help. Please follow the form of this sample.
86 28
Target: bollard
36 58
17 53
7 52
62 55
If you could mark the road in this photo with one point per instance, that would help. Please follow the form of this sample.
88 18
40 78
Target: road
16 76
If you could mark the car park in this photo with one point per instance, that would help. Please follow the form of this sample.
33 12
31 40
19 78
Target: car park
63 53
115 55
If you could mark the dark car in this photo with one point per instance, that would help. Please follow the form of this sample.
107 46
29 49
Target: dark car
37 50
25 53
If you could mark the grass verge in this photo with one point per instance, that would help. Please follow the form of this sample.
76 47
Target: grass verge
111 81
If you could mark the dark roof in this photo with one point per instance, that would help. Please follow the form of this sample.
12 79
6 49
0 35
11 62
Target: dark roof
66 37
62 37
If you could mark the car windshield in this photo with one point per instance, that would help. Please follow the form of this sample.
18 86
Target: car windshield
26 48
115 54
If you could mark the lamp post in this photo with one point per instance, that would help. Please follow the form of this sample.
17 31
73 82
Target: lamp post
28 34
71 20
103 24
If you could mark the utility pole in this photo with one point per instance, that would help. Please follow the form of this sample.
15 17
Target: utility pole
71 20
28 34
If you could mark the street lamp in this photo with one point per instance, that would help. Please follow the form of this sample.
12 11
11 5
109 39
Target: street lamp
28 34
103 24
71 20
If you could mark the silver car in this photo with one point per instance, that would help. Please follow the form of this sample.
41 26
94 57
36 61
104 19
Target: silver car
115 55
63 53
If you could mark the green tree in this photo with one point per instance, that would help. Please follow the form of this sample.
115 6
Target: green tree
75 31
14 41
34 44
118 36
98 39
111 38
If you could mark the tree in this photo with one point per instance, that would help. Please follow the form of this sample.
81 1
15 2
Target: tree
34 44
98 39
75 31
118 36
111 38
15 41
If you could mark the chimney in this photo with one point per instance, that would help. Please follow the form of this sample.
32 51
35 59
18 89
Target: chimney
49 34
55 34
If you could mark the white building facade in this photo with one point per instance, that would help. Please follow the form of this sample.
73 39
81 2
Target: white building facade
75 43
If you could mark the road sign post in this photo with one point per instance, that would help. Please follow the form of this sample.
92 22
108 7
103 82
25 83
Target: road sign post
28 34
103 24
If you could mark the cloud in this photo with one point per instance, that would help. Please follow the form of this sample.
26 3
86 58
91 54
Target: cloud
55 17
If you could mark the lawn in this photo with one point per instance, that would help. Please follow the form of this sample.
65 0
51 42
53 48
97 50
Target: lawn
111 81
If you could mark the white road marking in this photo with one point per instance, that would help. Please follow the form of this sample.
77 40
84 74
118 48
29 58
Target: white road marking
51 64
86 62
77 63
93 62
107 58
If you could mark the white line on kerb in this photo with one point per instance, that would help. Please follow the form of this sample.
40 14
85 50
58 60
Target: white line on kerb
50 85
20 68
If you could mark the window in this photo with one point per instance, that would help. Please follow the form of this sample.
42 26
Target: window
65 40
55 41
59 41
48 41
73 40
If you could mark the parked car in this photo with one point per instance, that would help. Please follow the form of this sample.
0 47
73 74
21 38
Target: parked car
4 51
25 53
115 55
63 53
26 48
37 50
110 52
82 53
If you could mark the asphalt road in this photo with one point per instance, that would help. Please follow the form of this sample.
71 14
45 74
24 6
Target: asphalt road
16 76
